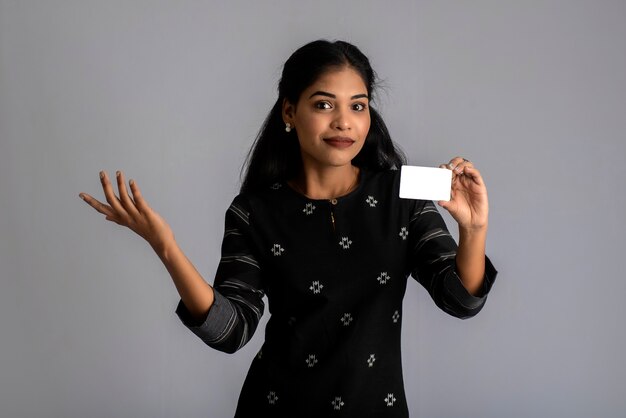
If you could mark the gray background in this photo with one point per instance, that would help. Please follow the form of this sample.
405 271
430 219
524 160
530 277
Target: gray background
174 92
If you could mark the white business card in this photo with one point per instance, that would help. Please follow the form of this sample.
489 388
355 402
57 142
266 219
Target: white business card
425 183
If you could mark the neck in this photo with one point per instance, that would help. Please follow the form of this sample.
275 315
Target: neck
330 183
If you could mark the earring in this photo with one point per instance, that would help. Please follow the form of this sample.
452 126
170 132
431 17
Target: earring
287 127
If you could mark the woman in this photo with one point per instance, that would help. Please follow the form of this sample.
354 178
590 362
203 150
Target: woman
319 228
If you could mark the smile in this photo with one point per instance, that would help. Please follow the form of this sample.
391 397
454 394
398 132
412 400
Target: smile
339 141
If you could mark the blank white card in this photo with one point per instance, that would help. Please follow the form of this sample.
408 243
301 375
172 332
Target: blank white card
425 183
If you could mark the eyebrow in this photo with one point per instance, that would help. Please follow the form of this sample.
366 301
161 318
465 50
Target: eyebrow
332 96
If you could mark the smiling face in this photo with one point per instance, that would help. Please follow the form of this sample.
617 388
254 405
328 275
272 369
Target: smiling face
331 119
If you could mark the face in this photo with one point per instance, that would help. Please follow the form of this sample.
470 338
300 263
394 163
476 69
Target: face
331 119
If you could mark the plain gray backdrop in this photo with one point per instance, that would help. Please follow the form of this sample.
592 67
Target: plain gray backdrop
173 93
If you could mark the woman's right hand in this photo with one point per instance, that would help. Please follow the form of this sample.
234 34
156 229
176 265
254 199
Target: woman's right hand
132 212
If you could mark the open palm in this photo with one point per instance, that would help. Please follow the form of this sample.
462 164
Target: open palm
131 212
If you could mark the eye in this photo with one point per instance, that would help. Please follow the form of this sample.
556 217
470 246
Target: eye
322 105
359 107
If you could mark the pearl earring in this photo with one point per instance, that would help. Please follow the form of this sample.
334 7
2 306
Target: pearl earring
287 127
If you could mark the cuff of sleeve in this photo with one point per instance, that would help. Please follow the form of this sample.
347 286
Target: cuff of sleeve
454 286
218 320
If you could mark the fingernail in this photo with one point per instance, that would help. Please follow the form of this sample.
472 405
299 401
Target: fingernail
132 182
102 175
117 174
82 196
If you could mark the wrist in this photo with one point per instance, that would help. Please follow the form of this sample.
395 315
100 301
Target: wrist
164 249
473 231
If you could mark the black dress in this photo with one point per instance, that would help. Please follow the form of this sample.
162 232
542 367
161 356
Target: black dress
335 274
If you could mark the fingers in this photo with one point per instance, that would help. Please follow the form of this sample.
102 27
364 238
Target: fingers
473 174
458 165
457 160
109 194
444 204
121 210
141 204
454 174
128 209
463 167
97 205
126 200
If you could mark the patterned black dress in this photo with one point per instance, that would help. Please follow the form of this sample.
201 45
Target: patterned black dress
335 274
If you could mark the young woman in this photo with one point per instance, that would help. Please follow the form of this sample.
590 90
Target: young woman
320 229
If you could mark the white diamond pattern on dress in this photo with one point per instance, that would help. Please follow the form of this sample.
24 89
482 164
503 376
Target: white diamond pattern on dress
272 397
390 399
371 360
277 250
345 242
383 278
346 319
311 360
403 233
338 403
309 208
371 201
316 287
395 317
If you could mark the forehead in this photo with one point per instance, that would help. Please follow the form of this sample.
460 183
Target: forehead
339 81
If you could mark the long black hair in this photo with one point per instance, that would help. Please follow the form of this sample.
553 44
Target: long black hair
275 155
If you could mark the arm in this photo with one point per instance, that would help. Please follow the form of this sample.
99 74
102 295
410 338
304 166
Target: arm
194 291
434 262
469 206
224 316
470 259
135 214
458 278
238 290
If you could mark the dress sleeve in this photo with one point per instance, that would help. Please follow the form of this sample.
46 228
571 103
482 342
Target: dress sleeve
433 263
238 288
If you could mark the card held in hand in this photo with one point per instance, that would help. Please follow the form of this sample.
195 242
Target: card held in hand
425 183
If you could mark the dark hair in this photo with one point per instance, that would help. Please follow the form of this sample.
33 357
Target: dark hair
275 154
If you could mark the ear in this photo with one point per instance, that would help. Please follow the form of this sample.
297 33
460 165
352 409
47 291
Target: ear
289 111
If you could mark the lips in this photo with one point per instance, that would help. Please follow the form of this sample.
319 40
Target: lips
339 141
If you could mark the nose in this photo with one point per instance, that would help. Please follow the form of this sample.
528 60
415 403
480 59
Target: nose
341 120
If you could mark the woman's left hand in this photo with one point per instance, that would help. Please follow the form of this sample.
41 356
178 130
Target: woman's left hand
468 205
